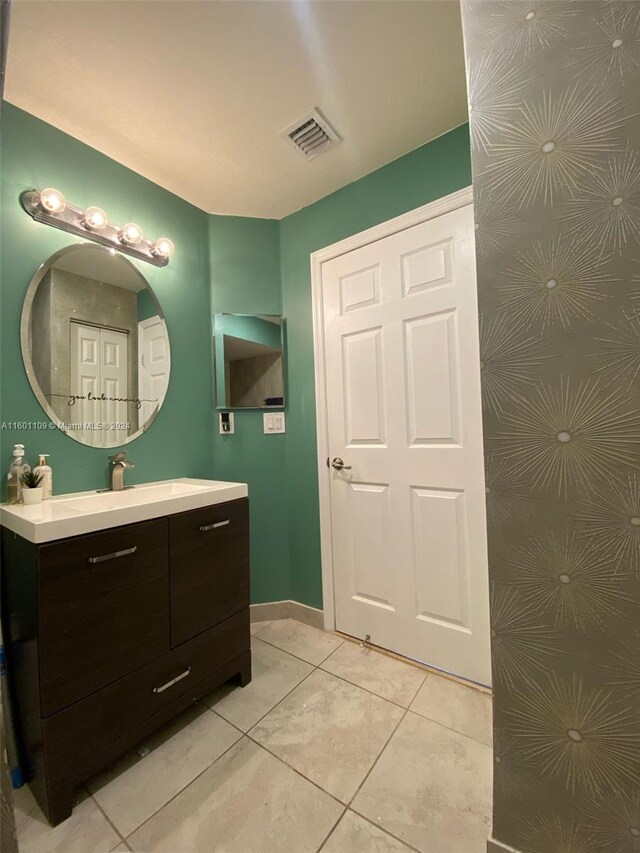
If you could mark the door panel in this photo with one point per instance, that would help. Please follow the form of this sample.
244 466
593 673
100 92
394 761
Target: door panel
403 407
369 512
429 266
360 289
440 556
364 406
431 383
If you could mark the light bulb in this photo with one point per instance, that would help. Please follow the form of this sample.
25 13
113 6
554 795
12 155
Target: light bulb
130 234
94 218
52 200
163 248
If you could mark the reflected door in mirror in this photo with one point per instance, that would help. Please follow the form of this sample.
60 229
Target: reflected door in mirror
99 370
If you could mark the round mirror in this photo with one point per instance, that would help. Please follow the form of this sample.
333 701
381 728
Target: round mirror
95 345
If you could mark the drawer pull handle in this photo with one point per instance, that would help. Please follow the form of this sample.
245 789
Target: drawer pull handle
205 527
173 681
115 554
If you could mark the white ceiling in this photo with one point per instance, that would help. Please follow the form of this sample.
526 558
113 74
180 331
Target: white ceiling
194 95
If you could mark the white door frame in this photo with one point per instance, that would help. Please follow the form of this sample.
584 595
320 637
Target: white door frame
458 199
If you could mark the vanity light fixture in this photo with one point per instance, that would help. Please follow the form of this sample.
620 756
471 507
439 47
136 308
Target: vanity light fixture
95 219
130 234
52 200
50 207
163 248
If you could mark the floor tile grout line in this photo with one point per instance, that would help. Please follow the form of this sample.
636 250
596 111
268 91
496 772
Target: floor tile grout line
142 758
369 772
107 818
282 760
316 667
377 758
267 749
298 772
449 729
332 830
293 655
420 668
253 725
386 653
372 692
342 677
235 743
384 829
177 794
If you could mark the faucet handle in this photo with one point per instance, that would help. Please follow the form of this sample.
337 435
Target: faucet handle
118 457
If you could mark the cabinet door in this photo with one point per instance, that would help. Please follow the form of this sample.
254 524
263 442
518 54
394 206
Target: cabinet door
209 567
104 609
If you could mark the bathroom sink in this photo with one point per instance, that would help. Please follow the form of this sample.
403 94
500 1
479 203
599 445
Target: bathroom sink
86 512
130 497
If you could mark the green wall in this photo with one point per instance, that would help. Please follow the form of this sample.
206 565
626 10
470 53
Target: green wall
35 154
245 279
436 169
222 264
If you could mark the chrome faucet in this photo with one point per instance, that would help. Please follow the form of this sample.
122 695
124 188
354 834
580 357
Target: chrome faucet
116 471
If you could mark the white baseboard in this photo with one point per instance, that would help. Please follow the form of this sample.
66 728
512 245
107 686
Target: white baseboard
287 610
494 846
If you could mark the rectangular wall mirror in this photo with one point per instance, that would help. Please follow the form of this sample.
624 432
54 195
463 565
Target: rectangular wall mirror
248 361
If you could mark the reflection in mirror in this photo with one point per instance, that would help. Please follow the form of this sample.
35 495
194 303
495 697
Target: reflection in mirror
249 360
95 345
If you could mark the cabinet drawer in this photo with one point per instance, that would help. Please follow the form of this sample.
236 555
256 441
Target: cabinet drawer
103 605
209 567
72 736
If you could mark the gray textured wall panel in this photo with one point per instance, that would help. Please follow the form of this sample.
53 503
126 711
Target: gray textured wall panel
554 91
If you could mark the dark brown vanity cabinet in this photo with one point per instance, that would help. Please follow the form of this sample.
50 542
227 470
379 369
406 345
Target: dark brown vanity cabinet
111 634
209 574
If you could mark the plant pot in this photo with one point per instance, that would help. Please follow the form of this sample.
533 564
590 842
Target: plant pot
32 496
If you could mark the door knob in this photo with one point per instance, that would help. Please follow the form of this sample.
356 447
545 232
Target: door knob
339 465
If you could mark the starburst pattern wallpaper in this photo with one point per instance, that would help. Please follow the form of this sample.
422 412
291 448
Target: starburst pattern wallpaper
554 112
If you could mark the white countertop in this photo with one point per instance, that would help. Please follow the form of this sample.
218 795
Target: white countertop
87 512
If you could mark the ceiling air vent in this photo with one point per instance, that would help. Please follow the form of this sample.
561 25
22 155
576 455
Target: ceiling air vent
311 135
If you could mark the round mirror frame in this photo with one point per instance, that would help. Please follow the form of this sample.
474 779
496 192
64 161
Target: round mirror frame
25 321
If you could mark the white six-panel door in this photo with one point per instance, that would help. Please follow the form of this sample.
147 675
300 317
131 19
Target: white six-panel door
403 411
98 362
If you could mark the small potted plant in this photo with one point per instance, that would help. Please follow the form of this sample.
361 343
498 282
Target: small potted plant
31 488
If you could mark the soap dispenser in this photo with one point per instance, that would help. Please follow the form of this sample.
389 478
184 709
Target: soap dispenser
17 468
44 469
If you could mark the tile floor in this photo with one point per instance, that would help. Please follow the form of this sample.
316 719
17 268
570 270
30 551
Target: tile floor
331 747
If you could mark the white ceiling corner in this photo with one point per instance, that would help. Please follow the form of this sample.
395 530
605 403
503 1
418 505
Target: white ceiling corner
194 95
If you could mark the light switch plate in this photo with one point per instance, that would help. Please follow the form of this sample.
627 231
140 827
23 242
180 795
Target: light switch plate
273 422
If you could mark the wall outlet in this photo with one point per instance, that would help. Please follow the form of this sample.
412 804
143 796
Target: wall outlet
227 427
273 422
